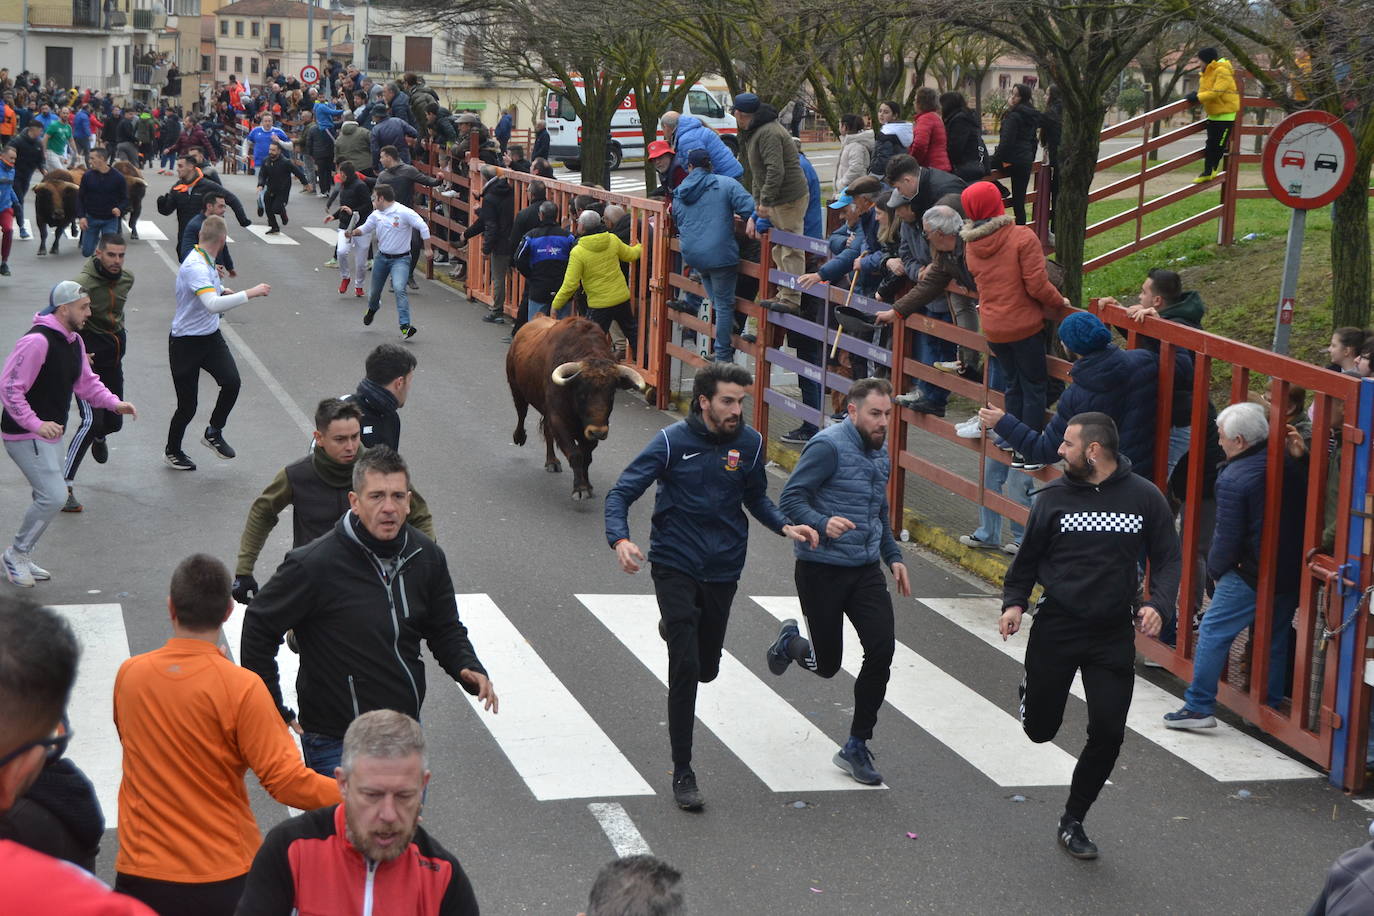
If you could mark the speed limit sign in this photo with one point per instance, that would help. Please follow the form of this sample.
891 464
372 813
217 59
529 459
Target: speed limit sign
310 74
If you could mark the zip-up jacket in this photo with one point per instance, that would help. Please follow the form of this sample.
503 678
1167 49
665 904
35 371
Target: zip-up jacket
44 369
705 482
359 619
307 865
543 259
275 175
186 200
594 264
101 193
1240 520
1083 543
838 474
108 294
381 422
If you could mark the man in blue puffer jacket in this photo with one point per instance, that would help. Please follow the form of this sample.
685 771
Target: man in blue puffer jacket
1120 383
839 487
705 206
709 468
686 133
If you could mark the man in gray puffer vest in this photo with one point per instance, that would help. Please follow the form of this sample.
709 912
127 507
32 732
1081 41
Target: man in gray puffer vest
839 488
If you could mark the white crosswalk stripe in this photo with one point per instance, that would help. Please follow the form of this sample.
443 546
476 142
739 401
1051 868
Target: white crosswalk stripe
329 236
772 738
148 231
95 743
279 238
954 714
1223 753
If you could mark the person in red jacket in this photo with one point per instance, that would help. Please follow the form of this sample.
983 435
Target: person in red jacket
370 848
929 143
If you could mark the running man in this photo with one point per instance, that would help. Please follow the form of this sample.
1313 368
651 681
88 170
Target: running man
392 224
196 343
839 488
708 468
1083 543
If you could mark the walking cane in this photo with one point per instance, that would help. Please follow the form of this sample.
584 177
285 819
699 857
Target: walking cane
839 332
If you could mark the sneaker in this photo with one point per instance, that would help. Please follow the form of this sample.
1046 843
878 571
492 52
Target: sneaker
685 791
494 316
857 760
969 540
17 568
178 461
1020 461
411 284
781 305
332 262
1074 840
1186 718
4 270
272 232
368 316
972 428
214 440
1003 444
25 235
1011 549
919 404
409 331
39 573
343 286
1203 178
778 659
952 366
100 450
72 504
358 292
799 436
285 218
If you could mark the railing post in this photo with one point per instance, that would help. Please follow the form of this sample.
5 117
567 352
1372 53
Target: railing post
1230 182
1347 748
897 438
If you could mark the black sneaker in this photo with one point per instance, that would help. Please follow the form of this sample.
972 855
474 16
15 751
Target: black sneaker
1019 460
4 270
214 440
919 404
799 436
1074 840
272 232
685 791
781 305
178 461
411 284
73 504
494 316
285 218
368 316
778 659
100 451
409 331
857 760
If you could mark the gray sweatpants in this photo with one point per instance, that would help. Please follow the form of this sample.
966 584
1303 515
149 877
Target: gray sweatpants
41 462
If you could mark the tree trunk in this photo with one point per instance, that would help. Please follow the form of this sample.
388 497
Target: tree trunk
1350 282
1077 165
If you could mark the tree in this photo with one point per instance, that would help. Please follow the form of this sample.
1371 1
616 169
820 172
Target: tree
963 63
1163 62
872 65
660 70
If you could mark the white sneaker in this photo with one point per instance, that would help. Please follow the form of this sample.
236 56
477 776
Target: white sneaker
1010 548
972 428
39 573
17 568
969 540
952 365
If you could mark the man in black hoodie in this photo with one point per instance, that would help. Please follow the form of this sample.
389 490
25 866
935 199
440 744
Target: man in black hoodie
274 180
1083 542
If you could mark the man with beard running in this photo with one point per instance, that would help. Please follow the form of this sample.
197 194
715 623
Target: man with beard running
321 861
708 468
1083 543
274 183
839 487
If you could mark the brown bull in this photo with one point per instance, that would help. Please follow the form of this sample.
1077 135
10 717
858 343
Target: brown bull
54 205
566 371
138 189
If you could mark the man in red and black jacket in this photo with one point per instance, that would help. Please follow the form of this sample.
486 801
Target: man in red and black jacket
369 854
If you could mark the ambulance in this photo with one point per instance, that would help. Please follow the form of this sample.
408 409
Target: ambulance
627 139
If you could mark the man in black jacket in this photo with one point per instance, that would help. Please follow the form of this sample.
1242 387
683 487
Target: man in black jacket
29 158
525 221
274 180
186 198
495 217
390 371
360 599
1083 543
319 146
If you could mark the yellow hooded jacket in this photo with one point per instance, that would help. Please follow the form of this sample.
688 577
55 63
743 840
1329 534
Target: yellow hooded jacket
1217 91
595 264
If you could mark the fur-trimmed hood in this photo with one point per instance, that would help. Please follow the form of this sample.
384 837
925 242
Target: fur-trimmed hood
983 228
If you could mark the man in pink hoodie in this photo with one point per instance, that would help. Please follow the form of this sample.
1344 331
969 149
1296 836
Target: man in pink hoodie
40 375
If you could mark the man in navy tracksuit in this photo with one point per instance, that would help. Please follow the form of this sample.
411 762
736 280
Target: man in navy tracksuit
839 487
1083 543
542 256
709 468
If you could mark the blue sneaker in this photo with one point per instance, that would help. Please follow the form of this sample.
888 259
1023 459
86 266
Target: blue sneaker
857 760
1187 718
778 659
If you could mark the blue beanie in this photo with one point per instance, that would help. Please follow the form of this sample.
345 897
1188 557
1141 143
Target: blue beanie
1084 333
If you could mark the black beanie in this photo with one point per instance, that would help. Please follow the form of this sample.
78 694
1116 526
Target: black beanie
1207 55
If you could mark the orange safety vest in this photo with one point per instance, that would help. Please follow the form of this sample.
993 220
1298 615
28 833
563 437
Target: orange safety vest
10 123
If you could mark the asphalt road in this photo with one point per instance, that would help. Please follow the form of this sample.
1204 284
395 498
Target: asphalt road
966 824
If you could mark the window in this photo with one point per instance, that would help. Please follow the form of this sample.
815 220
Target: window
379 52
238 64
700 103
204 63
257 29
128 58
253 65
274 64
224 27
419 54
274 34
324 33
238 28
223 64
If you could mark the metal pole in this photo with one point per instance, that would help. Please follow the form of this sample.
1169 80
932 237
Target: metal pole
1292 259
310 31
24 53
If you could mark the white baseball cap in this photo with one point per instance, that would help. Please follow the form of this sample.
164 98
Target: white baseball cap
66 292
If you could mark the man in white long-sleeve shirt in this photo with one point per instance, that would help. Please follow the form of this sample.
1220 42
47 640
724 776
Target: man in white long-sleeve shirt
196 343
392 223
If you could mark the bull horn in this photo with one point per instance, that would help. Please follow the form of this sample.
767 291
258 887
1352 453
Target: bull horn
634 378
566 373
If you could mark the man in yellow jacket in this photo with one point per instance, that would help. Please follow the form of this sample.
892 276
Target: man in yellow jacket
1220 99
594 263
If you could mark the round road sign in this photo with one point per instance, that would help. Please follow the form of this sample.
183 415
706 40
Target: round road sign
310 74
1308 159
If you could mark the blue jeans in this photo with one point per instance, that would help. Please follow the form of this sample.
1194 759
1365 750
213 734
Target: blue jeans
995 476
1180 437
95 228
397 267
1232 610
931 350
720 288
322 753
533 308
1028 378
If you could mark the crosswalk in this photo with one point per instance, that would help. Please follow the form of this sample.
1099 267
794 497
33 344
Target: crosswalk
559 749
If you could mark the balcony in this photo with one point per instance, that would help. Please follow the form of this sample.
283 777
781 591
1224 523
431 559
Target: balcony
146 75
149 21
74 15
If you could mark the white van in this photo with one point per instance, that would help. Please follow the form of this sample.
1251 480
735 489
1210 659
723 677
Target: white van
627 140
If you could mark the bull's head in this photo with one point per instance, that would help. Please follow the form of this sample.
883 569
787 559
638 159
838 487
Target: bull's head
593 383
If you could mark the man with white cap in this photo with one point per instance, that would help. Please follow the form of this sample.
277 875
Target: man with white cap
46 366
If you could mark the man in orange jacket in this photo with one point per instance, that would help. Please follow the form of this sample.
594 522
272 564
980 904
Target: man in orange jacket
192 722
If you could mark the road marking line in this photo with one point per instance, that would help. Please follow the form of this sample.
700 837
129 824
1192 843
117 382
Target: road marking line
262 372
148 231
1224 753
957 716
625 838
276 238
772 738
550 739
95 745
329 236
